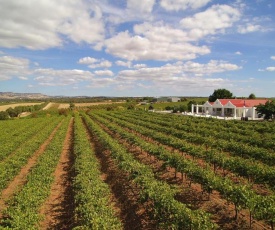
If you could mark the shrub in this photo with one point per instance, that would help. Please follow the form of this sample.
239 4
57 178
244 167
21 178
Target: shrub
4 115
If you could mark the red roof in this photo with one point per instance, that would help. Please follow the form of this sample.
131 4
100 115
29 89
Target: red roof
243 102
233 101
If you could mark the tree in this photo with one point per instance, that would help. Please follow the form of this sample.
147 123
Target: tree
267 110
181 108
4 115
64 112
252 96
131 107
109 108
220 94
72 106
12 112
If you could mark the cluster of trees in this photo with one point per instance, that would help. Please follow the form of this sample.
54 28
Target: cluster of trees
14 112
183 107
225 94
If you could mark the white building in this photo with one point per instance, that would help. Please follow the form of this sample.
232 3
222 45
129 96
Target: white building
166 99
173 99
231 108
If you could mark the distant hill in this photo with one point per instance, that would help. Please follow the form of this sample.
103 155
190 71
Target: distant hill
11 95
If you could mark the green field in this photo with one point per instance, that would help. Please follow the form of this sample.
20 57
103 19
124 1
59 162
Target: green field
105 167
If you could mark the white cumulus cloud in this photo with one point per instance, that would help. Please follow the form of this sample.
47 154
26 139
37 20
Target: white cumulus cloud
214 20
14 67
87 60
101 83
41 24
248 28
139 66
141 6
178 77
183 4
101 64
161 33
52 77
169 72
108 73
138 47
94 63
123 63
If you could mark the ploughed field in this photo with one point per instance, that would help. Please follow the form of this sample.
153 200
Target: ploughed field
136 170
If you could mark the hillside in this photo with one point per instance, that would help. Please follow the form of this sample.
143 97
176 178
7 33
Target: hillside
11 95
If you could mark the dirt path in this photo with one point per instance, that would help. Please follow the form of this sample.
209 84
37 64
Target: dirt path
58 209
20 179
48 106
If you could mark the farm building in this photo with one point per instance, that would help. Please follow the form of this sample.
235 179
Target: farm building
173 99
166 99
233 108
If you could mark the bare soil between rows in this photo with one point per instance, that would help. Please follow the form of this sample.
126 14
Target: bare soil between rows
59 207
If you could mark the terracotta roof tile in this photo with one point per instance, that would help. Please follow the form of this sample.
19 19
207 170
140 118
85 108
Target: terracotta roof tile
242 102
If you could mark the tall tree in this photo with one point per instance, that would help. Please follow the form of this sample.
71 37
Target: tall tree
252 96
220 94
267 110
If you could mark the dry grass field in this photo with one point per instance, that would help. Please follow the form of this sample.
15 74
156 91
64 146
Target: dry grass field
67 105
5 107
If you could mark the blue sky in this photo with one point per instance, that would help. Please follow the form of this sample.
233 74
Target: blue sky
137 48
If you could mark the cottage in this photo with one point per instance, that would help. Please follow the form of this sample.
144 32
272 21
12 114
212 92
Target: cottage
232 108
